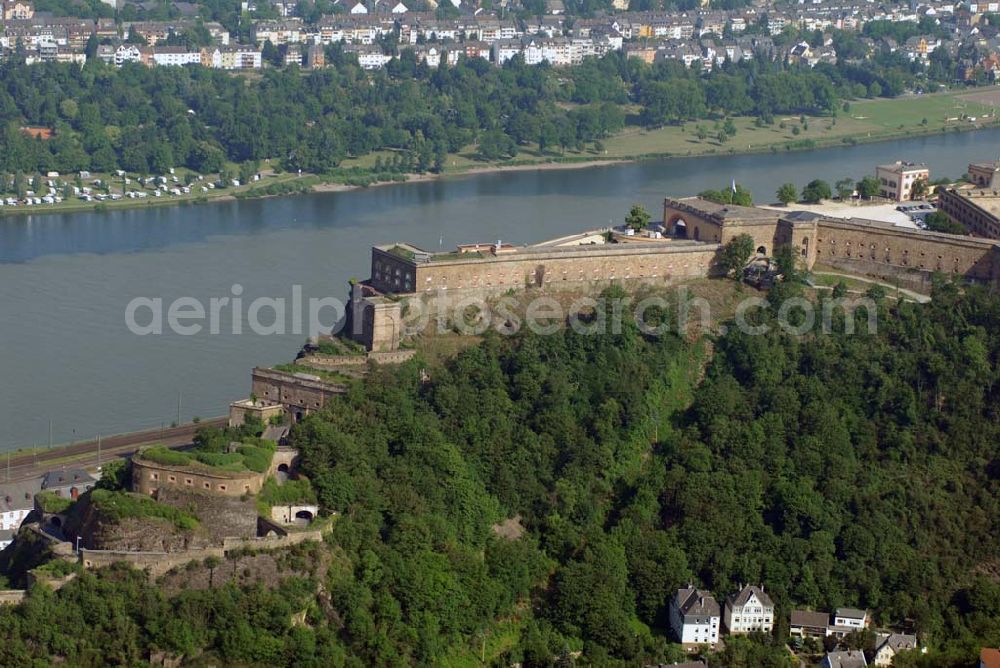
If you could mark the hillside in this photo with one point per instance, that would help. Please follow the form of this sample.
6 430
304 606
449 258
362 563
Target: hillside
834 469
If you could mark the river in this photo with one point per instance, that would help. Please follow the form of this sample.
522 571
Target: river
68 360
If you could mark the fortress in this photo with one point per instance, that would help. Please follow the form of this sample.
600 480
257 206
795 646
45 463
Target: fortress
686 245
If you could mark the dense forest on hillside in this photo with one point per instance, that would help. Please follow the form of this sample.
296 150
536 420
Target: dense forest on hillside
836 469
147 120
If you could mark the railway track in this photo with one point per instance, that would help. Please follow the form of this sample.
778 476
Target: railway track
85 453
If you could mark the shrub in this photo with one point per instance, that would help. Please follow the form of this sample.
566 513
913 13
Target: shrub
255 458
166 456
292 491
119 505
226 459
52 502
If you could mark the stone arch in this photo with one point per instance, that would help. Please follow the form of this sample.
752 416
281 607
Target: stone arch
283 468
677 226
805 246
56 521
761 251
304 516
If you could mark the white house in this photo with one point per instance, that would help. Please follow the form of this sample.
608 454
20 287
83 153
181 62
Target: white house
16 501
749 610
694 617
175 56
127 53
888 645
846 620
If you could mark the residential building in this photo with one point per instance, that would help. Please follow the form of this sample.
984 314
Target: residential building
888 645
70 483
749 610
896 179
809 624
17 499
849 659
315 56
694 617
174 56
16 10
127 53
370 57
850 618
239 58
293 55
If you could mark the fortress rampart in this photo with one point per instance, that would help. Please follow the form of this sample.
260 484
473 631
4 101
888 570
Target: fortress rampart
300 394
148 477
696 230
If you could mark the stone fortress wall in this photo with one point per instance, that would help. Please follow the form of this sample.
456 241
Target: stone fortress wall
696 230
300 394
158 563
148 477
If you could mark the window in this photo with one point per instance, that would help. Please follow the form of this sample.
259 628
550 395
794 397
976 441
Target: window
222 488
188 481
208 485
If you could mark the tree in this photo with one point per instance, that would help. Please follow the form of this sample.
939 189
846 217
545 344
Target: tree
939 221
785 258
787 194
816 191
845 188
919 189
735 254
868 187
637 218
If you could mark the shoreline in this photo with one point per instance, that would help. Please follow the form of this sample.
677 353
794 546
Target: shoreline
552 164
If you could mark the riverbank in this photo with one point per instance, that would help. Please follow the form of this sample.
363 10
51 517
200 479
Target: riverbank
861 122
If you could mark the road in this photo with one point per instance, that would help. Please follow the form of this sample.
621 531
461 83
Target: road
84 453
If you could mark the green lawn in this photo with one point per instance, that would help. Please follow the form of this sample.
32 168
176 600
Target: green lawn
865 120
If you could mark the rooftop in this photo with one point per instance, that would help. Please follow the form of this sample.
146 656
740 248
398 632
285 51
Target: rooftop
66 478
727 212
696 602
744 595
848 659
904 166
19 495
989 164
851 613
810 618
988 200
584 242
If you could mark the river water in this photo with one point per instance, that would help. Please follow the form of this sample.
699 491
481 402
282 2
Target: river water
67 358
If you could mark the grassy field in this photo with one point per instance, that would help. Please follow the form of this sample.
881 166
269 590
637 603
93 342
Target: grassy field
866 120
